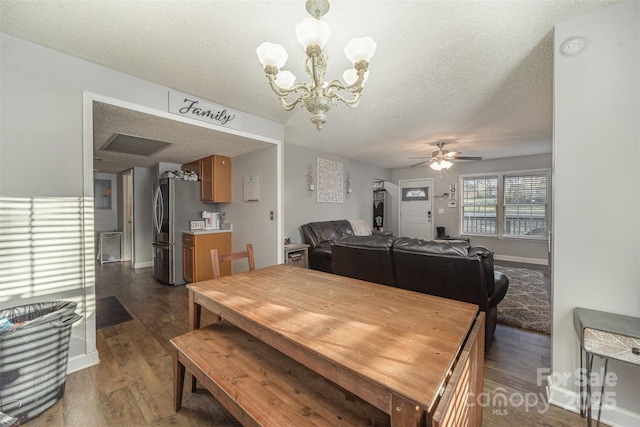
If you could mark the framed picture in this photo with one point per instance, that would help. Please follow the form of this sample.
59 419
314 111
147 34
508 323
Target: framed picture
330 181
102 193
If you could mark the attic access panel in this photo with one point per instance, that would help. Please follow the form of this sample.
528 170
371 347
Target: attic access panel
129 144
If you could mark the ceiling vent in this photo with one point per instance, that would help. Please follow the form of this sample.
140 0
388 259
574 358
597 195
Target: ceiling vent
129 144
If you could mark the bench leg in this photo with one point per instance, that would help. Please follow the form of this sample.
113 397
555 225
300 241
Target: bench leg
178 381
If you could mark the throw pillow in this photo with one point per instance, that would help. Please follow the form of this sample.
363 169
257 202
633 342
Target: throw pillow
360 227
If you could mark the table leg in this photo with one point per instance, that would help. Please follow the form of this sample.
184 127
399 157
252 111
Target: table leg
404 413
178 381
606 363
589 366
582 396
195 311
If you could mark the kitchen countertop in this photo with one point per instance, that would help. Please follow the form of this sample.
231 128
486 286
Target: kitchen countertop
228 228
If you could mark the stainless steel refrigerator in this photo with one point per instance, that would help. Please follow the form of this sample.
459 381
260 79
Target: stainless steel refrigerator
175 203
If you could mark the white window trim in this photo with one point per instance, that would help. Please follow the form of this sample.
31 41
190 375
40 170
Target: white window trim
500 208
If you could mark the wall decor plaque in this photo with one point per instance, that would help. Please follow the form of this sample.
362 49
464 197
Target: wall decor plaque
330 181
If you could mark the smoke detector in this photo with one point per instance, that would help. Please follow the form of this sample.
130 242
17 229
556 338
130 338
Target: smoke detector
573 46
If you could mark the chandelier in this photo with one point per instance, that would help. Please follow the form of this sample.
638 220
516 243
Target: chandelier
317 96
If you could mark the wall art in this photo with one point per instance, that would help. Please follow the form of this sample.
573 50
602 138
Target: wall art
330 181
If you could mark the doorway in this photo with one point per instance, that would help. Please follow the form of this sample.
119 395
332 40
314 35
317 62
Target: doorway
127 215
416 208
228 142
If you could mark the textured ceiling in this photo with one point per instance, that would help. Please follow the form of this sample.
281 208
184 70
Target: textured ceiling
188 142
477 73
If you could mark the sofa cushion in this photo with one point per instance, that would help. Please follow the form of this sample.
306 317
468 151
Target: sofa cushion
367 242
343 228
330 231
440 247
365 258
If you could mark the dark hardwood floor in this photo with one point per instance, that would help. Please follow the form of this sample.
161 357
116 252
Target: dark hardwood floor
132 386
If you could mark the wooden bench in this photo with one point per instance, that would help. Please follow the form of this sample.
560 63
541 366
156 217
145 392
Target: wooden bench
260 386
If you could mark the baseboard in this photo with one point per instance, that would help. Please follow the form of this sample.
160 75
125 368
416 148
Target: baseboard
538 261
611 415
82 361
145 264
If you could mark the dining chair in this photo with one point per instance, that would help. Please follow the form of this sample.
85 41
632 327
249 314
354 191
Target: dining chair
216 259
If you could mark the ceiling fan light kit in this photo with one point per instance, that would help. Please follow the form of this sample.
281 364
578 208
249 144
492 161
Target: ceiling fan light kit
443 159
440 165
317 96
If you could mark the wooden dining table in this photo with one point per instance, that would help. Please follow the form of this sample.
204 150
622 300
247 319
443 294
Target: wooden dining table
417 357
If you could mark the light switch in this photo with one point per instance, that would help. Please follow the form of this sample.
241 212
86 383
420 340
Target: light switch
440 210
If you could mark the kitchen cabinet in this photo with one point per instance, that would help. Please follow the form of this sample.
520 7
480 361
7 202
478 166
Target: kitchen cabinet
215 174
196 255
192 167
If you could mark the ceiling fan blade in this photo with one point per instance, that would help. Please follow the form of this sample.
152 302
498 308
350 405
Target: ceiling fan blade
468 158
421 163
420 157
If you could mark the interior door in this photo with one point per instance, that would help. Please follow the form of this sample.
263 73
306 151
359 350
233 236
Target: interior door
416 209
127 198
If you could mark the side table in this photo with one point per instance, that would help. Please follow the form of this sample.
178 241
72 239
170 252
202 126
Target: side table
608 336
297 254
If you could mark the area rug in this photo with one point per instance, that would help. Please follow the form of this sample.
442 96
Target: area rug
526 304
110 312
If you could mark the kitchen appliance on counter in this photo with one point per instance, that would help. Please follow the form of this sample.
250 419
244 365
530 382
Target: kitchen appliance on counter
175 204
211 220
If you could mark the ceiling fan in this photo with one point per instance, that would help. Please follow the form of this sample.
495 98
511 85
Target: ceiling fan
441 159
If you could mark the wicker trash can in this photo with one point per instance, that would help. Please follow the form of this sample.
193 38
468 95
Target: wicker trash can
34 352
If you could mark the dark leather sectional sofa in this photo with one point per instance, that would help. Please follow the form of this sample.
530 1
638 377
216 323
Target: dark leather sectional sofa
449 269
319 236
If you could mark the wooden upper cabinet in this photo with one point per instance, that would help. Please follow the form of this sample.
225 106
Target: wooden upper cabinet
215 174
192 167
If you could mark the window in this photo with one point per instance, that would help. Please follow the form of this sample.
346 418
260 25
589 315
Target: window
480 205
415 193
513 204
525 205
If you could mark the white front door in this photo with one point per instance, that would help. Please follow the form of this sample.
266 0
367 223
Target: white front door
416 209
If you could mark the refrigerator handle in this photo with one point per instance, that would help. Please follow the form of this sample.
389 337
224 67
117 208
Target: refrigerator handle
156 198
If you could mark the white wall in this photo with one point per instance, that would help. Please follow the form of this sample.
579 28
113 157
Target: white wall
41 111
509 249
596 243
251 220
300 208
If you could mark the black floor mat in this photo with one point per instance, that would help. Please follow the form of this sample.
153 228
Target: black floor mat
110 312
